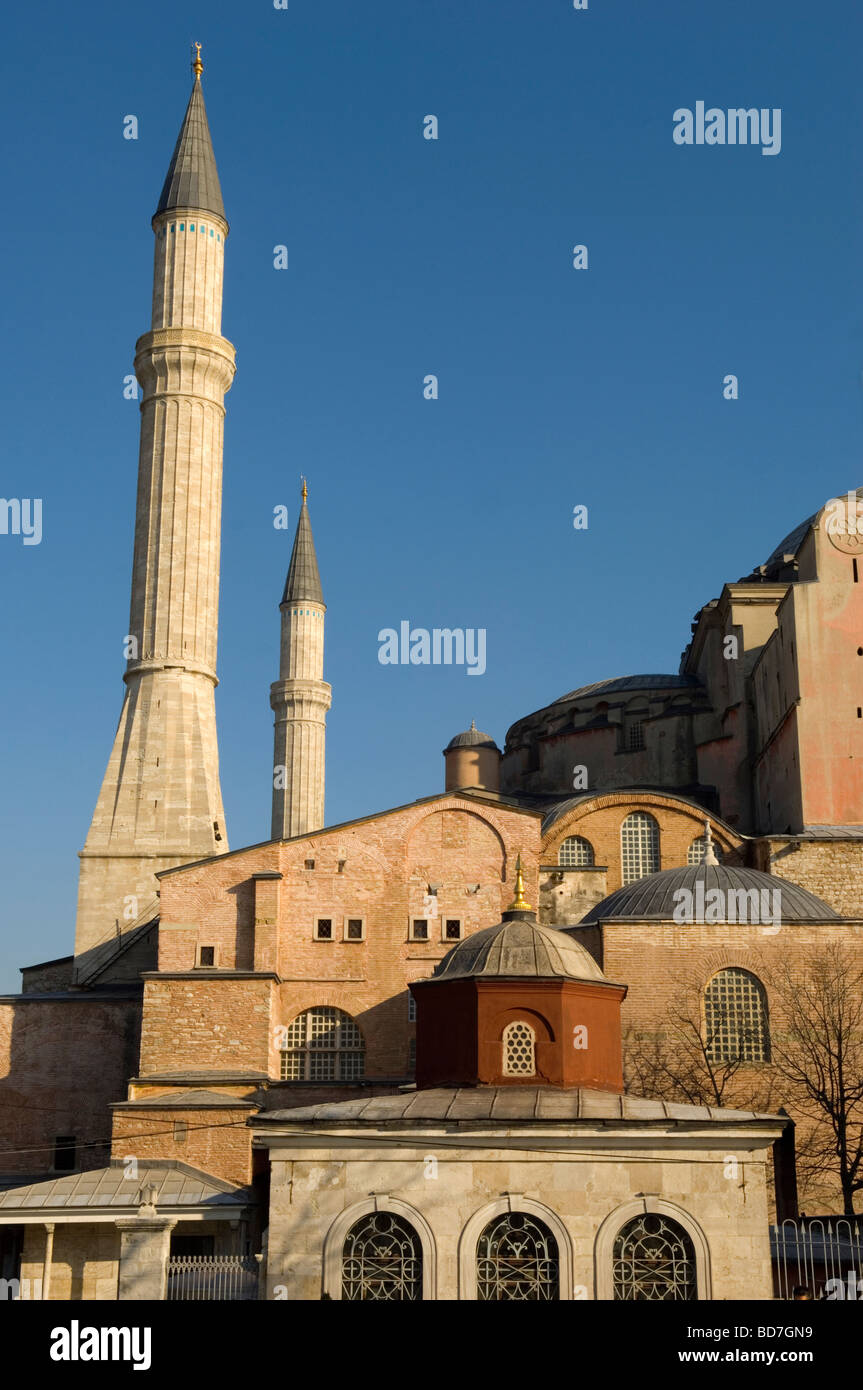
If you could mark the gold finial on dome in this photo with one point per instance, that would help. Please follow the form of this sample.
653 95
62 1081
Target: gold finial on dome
518 903
305 490
197 65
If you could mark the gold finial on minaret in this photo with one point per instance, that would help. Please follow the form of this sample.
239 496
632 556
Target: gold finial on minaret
305 490
518 903
197 65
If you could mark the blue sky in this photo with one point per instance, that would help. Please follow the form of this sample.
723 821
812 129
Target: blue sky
408 257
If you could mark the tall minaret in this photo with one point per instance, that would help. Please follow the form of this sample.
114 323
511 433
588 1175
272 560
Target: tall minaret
161 803
300 697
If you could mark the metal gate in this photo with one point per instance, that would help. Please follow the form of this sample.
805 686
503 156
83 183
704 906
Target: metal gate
213 1278
823 1254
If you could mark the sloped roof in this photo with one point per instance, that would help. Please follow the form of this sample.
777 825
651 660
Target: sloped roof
177 1184
628 683
509 1104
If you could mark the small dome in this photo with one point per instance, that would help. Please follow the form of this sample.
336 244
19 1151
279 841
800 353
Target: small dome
652 898
518 947
472 738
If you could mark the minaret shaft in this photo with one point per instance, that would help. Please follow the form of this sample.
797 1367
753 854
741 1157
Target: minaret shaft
160 802
300 697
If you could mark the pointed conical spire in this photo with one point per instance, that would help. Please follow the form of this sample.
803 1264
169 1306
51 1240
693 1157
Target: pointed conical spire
303 584
192 180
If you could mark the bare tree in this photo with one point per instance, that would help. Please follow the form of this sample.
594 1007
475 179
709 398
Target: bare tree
818 1051
688 1058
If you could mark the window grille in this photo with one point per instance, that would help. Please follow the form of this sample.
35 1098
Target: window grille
517 1260
420 929
322 1044
735 1018
575 853
654 1261
635 736
382 1260
324 929
519 1042
354 929
453 929
412 1008
639 846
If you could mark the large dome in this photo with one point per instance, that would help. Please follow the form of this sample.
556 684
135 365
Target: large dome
517 948
653 898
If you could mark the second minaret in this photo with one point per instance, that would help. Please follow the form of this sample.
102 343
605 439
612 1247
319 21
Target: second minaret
300 697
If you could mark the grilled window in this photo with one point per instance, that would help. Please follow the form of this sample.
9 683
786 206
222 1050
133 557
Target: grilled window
517 1260
382 1260
420 929
324 929
575 853
654 1261
639 846
735 1018
322 1044
519 1042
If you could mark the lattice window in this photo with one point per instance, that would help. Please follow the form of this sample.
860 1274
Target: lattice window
382 1260
654 1261
634 735
517 1259
323 1044
639 846
519 1044
697 850
735 1018
575 853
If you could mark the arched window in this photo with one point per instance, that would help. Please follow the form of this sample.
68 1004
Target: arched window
519 1043
382 1260
639 846
735 1018
697 850
654 1260
322 1044
517 1259
575 853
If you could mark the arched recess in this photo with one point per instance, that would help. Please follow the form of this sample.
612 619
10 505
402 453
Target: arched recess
511 1201
603 1249
335 1240
427 845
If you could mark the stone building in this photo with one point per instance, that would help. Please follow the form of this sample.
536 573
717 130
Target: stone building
217 999
518 1169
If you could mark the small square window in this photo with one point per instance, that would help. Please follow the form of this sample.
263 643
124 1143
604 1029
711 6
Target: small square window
324 929
420 929
412 1008
355 928
309 864
206 955
452 929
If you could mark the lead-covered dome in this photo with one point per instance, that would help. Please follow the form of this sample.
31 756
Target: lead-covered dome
518 948
472 738
653 898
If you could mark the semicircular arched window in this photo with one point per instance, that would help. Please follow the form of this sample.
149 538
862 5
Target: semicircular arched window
382 1260
735 1018
519 1049
322 1044
654 1261
575 853
517 1261
639 846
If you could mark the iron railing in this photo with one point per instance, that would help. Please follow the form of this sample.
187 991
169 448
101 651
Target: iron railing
212 1278
822 1254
